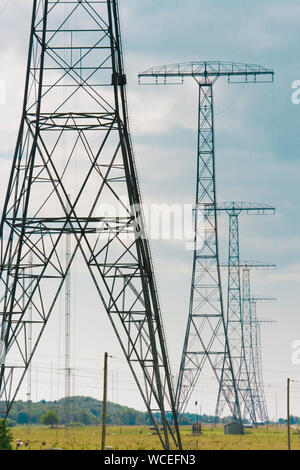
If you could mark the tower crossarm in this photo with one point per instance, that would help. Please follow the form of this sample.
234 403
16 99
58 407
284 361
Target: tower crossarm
235 208
260 321
207 71
263 299
254 300
257 265
248 265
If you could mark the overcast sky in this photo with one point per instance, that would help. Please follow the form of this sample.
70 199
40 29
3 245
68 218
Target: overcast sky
257 160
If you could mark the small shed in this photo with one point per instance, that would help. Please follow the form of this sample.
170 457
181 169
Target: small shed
234 428
197 429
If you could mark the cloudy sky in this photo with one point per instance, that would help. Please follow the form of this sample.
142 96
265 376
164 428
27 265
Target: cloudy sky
257 160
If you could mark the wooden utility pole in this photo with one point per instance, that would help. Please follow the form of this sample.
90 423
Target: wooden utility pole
288 413
104 402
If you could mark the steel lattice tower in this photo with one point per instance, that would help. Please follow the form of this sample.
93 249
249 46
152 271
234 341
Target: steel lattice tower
253 344
75 114
206 337
252 349
237 331
258 392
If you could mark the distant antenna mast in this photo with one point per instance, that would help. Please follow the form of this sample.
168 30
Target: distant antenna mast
206 339
67 328
236 331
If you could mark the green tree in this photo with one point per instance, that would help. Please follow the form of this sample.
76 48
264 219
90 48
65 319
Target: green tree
5 436
49 418
84 418
22 417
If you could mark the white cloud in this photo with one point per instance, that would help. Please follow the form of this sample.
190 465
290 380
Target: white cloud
287 275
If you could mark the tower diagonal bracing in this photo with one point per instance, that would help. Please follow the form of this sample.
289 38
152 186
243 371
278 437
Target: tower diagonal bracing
75 121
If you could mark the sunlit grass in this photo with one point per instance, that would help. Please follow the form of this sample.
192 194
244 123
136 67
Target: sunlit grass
142 438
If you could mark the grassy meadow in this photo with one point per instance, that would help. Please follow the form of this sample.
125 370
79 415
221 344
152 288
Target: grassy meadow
141 438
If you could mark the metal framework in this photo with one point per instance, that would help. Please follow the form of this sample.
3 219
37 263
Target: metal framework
252 327
206 337
259 398
75 120
237 331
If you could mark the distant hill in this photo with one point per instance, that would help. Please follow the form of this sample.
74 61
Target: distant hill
83 410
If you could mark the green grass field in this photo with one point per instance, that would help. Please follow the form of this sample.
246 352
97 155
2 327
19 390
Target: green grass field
141 438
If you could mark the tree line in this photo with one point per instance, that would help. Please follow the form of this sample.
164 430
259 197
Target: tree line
87 411
84 411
